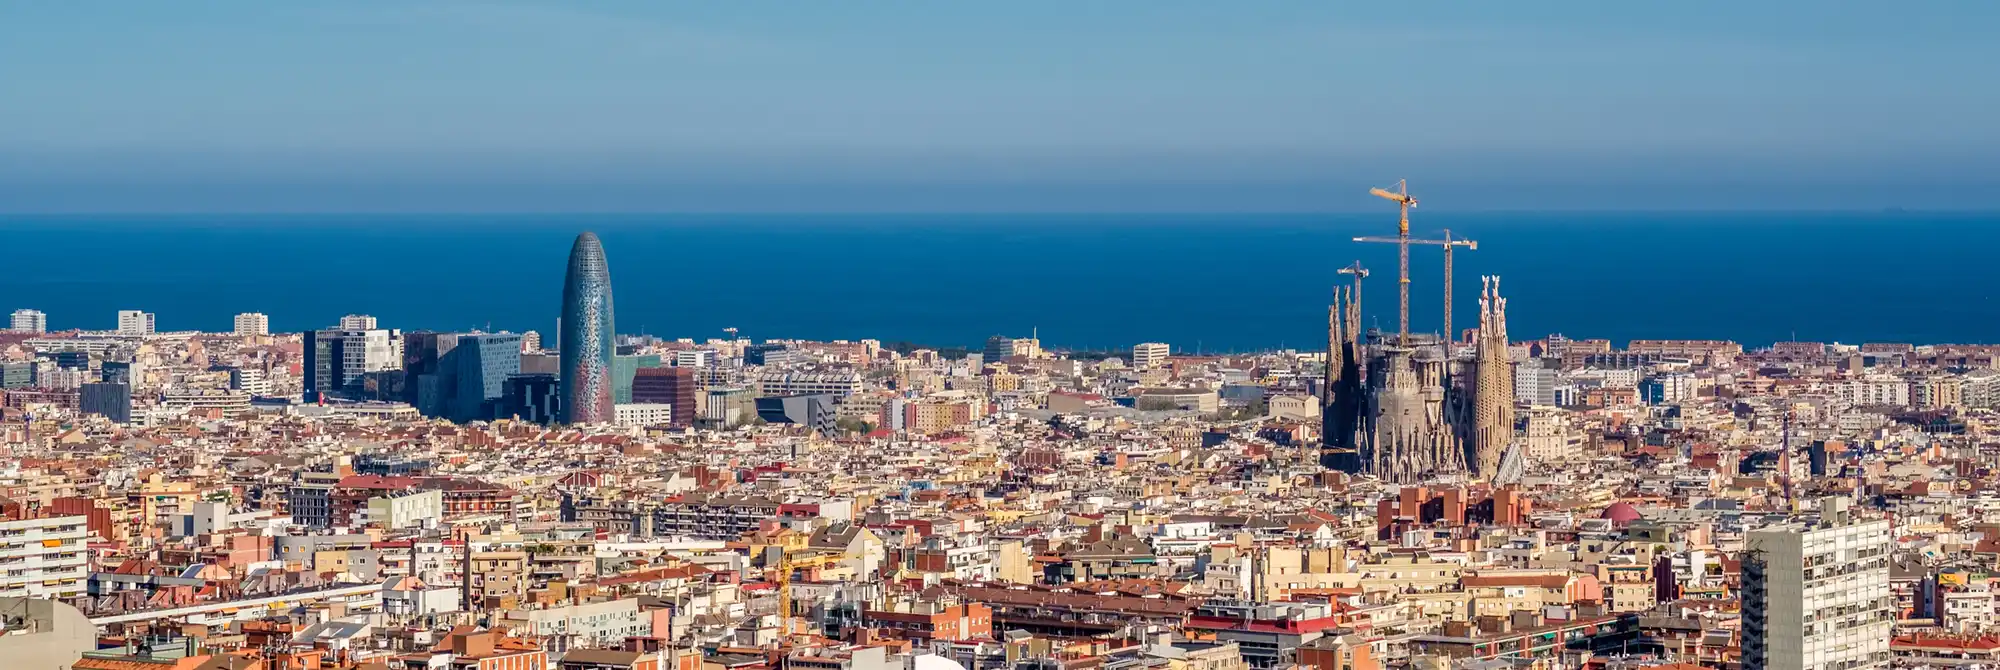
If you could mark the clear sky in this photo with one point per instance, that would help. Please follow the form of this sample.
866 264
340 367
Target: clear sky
462 105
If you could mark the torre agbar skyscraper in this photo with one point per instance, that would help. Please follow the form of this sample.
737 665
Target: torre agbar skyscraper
586 332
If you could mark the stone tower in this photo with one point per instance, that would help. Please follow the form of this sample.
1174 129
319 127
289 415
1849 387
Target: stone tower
1341 408
1493 379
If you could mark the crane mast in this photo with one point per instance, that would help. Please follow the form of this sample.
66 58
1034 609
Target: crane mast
1401 196
1403 243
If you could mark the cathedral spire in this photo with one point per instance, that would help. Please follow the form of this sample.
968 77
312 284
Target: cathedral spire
1493 389
1334 362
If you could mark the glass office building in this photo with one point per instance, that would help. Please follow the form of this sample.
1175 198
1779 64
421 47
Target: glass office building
585 354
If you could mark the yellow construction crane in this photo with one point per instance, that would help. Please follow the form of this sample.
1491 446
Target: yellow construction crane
787 564
1448 243
1401 196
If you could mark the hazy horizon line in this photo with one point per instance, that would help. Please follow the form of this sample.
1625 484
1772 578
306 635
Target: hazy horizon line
837 213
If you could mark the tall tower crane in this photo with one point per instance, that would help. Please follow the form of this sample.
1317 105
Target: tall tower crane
1401 196
1448 243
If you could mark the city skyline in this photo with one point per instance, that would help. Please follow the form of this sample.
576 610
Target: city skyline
989 336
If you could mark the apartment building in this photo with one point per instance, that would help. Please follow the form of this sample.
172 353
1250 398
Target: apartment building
1148 355
1816 597
782 384
43 557
251 324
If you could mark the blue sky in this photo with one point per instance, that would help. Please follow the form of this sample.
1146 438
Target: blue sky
362 105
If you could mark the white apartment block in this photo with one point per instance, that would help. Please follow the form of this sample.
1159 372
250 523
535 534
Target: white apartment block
1534 384
407 509
28 321
642 414
694 358
1980 388
1876 390
134 322
357 322
379 350
252 323
601 624
1817 597
253 381
1147 355
44 558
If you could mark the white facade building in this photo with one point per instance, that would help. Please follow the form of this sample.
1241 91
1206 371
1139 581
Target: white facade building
1534 383
600 624
1147 355
253 381
28 321
407 509
44 558
134 322
377 350
357 322
642 414
230 402
1876 390
694 358
1817 598
252 323
1980 388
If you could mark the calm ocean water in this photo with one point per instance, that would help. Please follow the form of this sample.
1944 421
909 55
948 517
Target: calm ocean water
1217 282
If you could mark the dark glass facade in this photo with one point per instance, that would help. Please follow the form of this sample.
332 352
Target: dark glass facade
623 367
112 400
459 376
532 398
481 363
669 385
322 366
586 377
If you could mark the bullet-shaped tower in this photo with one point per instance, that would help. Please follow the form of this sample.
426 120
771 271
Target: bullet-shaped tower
587 346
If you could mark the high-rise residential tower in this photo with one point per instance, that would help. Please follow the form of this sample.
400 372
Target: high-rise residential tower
29 321
134 322
1817 595
586 335
1149 354
252 323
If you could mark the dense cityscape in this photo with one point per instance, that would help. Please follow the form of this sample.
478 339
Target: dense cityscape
362 497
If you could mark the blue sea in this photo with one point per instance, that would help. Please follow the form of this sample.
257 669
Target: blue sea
1213 283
